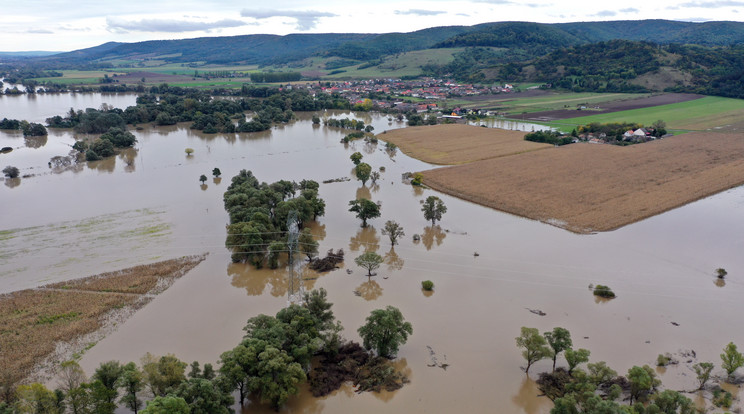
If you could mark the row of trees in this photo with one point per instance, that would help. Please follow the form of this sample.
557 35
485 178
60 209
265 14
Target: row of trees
105 145
30 129
596 390
269 365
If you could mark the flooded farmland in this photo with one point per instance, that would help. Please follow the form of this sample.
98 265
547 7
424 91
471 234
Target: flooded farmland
147 205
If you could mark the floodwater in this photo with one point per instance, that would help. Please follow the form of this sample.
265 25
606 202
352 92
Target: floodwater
149 205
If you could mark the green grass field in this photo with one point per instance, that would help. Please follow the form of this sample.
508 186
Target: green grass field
699 114
569 100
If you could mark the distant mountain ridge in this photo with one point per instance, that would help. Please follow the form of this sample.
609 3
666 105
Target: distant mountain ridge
535 38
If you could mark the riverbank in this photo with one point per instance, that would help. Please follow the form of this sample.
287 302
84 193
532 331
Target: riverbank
57 322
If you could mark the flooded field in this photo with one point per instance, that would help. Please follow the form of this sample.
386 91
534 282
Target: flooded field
149 205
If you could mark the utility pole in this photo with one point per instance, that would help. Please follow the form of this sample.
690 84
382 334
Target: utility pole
295 288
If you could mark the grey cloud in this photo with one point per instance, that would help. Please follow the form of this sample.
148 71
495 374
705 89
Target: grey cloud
74 29
171 26
495 1
606 13
306 19
39 31
420 12
629 10
711 4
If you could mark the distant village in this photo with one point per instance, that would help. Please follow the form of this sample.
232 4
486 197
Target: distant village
406 95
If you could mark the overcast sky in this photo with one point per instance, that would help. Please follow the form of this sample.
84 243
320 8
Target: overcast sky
61 25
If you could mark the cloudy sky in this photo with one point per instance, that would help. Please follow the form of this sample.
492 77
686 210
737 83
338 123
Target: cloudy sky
61 25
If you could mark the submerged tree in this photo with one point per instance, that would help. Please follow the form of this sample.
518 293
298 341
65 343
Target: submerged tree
535 346
393 230
365 209
559 340
731 359
363 172
433 209
385 331
369 261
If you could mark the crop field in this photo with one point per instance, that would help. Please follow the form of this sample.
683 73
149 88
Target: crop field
70 77
35 322
710 112
588 187
458 143
404 64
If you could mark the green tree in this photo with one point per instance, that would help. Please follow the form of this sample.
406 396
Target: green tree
600 373
702 371
433 209
307 244
731 359
559 340
202 178
369 261
167 405
71 380
105 386
189 151
204 396
671 402
576 357
642 381
11 172
385 331
132 381
277 377
356 158
103 147
535 346
393 230
363 171
365 209
121 138
163 374
35 398
216 172
374 176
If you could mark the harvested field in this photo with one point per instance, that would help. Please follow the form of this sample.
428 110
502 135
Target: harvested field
451 144
45 324
588 187
613 106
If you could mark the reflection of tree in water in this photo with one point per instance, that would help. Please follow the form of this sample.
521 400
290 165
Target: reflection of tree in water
128 156
401 366
105 165
369 147
254 281
393 261
369 290
35 142
12 182
203 187
375 187
363 192
418 190
527 398
720 282
217 180
318 230
432 234
365 237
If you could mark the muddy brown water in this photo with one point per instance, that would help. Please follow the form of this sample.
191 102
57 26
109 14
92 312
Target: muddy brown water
116 213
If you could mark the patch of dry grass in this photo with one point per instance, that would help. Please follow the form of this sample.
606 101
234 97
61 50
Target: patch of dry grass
34 322
586 187
451 144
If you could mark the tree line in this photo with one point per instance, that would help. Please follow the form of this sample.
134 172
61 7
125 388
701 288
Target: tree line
597 389
269 364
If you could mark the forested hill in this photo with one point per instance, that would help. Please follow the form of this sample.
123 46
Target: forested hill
531 39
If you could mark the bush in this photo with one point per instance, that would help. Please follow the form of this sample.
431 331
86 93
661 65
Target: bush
604 291
417 179
427 285
662 360
721 273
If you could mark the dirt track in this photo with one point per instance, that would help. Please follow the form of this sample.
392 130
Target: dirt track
458 144
616 106
594 187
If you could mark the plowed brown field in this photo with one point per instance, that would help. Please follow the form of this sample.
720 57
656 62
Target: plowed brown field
458 144
588 187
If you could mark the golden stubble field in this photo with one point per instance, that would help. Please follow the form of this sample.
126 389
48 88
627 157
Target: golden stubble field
450 144
35 323
592 187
